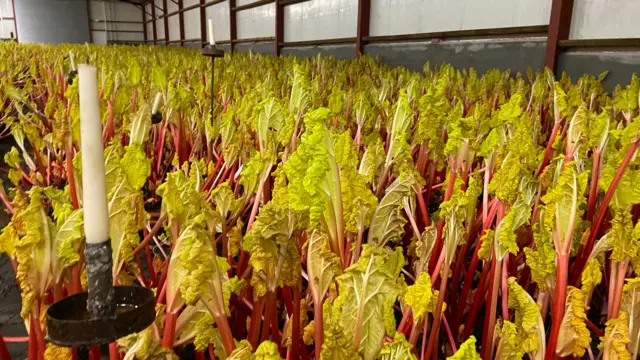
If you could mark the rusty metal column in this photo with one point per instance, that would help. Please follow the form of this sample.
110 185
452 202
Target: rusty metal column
279 27
144 23
87 2
203 24
181 20
153 23
166 22
15 20
232 24
364 14
559 26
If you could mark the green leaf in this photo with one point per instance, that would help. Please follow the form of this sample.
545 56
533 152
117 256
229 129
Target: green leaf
322 265
267 350
631 305
613 344
467 351
400 129
136 166
398 349
421 297
528 320
368 290
574 337
387 224
506 232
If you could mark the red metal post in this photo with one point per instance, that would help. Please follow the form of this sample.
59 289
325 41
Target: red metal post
144 23
15 19
279 27
181 20
364 14
88 3
165 21
203 23
559 26
232 24
153 23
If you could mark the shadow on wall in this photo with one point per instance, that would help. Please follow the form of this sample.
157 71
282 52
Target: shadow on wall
621 65
517 55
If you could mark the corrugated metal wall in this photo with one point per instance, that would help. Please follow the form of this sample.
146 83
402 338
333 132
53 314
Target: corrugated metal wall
319 20
605 19
115 22
46 21
397 17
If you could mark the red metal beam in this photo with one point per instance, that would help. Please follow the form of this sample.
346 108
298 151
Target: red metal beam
203 23
181 20
364 14
165 20
144 23
15 20
153 24
88 4
232 24
559 26
279 27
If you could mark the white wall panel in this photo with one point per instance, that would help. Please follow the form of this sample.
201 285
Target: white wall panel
605 19
99 37
321 19
187 3
98 9
396 17
125 12
192 24
174 27
6 9
6 28
245 2
220 15
159 22
256 22
149 31
171 6
160 29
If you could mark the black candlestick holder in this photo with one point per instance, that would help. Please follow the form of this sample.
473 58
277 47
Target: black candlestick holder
213 52
103 314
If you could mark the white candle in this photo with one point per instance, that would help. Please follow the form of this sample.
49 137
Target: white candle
212 39
73 63
94 187
156 103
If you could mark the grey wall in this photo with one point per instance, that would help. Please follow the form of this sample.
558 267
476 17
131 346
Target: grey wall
621 65
52 21
337 51
482 55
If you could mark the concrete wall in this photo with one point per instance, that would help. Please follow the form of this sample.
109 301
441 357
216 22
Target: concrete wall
482 55
621 65
46 21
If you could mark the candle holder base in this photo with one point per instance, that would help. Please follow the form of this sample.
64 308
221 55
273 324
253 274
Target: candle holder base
69 323
212 51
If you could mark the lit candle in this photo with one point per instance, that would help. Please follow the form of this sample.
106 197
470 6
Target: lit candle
212 39
73 63
94 187
156 103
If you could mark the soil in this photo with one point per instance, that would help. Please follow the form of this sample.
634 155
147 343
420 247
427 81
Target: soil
11 324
